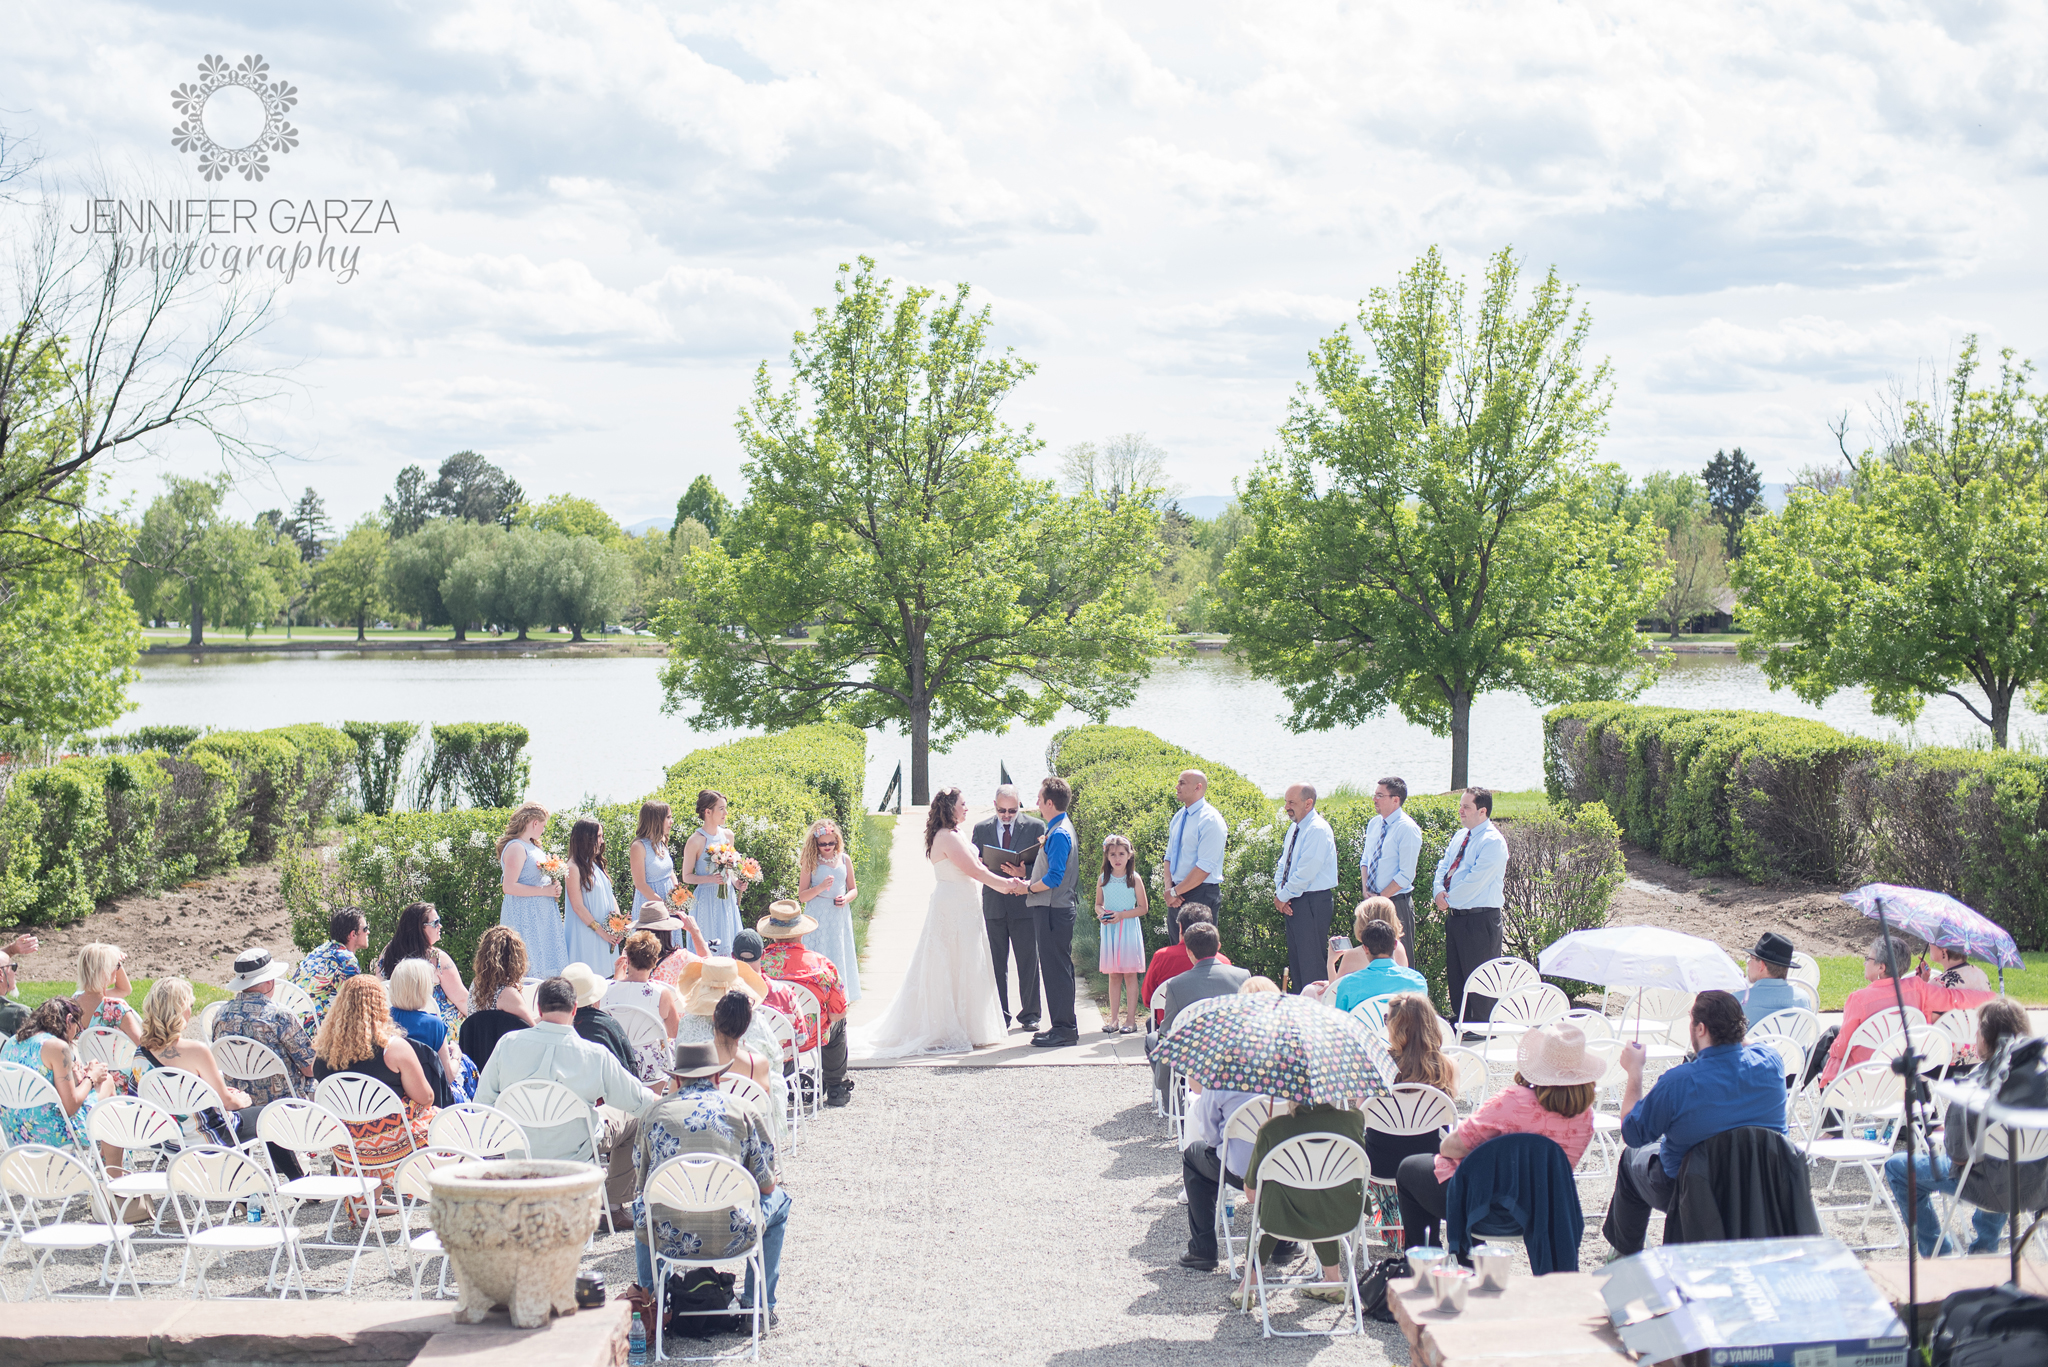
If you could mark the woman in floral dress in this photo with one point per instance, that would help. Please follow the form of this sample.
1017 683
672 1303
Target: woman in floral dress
358 1035
44 1044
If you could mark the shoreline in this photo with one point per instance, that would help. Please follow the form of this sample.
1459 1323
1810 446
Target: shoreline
640 646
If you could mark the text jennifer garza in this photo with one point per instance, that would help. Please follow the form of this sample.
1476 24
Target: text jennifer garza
159 232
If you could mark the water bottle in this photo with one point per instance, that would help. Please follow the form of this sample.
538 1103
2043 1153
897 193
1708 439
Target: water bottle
255 1210
1870 1134
636 1350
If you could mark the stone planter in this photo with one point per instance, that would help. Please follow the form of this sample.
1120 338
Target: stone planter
515 1230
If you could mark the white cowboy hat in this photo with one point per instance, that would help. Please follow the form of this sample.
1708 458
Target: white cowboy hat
589 987
1555 1056
252 966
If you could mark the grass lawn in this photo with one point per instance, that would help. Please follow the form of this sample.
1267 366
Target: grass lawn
870 870
35 994
1841 976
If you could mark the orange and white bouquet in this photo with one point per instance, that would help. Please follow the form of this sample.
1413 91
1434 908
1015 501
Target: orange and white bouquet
729 863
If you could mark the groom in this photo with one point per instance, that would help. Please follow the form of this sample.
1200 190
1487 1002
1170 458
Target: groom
1010 923
1055 877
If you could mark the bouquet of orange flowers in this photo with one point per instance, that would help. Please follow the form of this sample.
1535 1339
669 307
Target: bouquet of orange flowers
552 866
727 861
617 922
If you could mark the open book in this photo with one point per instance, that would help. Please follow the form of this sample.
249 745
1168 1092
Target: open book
993 857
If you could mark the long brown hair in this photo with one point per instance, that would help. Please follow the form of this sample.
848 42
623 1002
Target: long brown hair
500 963
586 849
1412 1040
58 1016
943 815
1569 1101
707 798
1130 869
652 814
357 1025
528 812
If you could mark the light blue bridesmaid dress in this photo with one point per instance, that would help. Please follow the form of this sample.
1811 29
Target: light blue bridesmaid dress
658 866
718 917
584 945
537 919
834 936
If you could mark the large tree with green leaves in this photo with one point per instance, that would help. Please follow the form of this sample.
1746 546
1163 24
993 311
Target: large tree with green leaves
1926 574
1431 528
417 567
703 503
190 559
348 583
946 592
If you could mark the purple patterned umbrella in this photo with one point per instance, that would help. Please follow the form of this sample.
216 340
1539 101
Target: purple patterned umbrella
1280 1046
1938 919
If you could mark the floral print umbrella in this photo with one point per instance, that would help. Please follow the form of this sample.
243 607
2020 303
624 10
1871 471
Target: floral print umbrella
1281 1046
1938 919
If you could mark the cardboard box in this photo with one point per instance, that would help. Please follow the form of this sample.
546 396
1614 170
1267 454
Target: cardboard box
1753 1303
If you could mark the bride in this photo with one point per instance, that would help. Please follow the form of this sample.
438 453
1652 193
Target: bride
947 1002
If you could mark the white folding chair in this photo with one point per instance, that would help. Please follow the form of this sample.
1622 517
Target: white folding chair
183 1095
1805 970
1881 1026
1807 995
358 1099
537 1105
200 1027
136 1127
1960 1025
23 1089
747 1090
207 1177
1997 1144
304 1127
1792 1022
1661 1013
1473 1082
476 1128
651 1053
1516 1014
104 1044
1934 1048
289 996
810 1062
32 1174
706 1184
784 1031
1607 1124
1592 1024
1791 1053
244 1060
1496 978
1310 1162
1242 1126
1410 1108
414 1193
1870 1093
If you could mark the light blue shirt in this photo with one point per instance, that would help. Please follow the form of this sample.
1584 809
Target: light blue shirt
1766 995
1209 1114
1195 841
1308 853
1380 978
1481 872
1389 850
548 1052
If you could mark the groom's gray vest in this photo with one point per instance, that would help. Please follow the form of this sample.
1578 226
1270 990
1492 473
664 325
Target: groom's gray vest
1061 897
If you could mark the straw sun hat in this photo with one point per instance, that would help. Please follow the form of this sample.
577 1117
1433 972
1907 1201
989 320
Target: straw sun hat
785 920
704 982
1555 1056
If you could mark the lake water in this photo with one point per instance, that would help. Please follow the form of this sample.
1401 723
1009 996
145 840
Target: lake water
598 729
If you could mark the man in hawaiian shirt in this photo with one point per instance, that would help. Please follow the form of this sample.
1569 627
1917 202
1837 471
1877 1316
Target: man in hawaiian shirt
695 1120
251 1014
788 959
322 972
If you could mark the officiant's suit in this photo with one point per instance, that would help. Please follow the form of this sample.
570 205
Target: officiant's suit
1011 924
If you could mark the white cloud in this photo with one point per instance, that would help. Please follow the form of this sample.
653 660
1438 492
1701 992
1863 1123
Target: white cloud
1720 356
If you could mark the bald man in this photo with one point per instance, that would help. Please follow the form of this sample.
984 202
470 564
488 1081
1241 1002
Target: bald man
1304 887
1193 868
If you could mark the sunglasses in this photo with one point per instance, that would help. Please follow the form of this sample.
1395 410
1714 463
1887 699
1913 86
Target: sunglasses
435 922
828 844
1008 811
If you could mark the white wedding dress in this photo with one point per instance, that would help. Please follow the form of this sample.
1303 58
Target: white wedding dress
947 1003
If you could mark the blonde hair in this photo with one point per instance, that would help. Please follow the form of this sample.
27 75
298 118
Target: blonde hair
97 966
1374 909
1257 984
808 863
412 985
526 813
357 1025
164 1013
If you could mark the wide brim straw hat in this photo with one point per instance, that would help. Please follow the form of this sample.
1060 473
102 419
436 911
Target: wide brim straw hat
705 981
1555 1056
786 920
589 987
652 915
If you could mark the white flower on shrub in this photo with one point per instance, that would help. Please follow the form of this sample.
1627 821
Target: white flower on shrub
379 853
479 840
444 848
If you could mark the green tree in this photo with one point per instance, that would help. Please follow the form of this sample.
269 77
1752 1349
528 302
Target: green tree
68 641
1430 529
1670 500
472 489
1733 488
1697 572
508 580
192 561
348 583
573 516
418 564
704 504
408 507
588 582
885 504
658 559
308 526
1927 574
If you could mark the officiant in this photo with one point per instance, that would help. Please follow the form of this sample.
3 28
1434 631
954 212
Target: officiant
1011 924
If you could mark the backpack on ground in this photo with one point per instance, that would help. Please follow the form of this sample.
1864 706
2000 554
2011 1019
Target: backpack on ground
696 1290
1994 1326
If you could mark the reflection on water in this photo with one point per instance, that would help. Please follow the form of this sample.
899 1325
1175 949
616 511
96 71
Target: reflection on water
598 728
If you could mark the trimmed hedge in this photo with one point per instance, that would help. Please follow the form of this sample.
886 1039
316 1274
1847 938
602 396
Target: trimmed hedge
288 777
480 760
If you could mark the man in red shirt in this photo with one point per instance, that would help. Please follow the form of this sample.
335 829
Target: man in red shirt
1880 962
785 957
1170 961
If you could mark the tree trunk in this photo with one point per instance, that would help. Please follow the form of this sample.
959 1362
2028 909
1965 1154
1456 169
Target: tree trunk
198 618
1461 740
921 755
2001 716
362 619
462 631
522 634
575 631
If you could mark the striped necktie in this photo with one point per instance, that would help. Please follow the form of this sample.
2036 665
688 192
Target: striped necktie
1287 863
1372 874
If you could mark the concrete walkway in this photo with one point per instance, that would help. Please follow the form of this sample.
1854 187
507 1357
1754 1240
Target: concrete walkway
892 938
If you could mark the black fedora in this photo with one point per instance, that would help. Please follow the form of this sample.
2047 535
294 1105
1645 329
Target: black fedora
1773 948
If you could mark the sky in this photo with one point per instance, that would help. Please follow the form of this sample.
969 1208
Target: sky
605 216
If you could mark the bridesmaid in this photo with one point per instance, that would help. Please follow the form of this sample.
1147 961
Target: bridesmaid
588 888
718 916
539 923
654 874
826 876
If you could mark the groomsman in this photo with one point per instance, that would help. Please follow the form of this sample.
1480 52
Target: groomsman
1387 855
1193 870
1304 886
1470 885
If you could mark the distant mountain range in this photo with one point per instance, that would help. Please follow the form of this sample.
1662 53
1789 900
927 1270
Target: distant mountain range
651 524
1205 505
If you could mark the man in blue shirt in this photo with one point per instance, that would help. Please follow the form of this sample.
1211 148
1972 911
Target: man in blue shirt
1729 1085
1193 868
1769 988
1054 876
1380 978
1469 883
1388 854
1304 886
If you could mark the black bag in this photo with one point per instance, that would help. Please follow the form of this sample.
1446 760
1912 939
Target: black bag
1372 1287
698 1290
1997 1326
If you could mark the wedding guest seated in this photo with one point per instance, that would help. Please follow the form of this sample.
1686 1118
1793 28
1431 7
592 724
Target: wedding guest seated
1358 956
1881 962
731 1018
788 959
165 1013
1288 1214
1207 977
1205 1164
1728 1085
322 972
1170 961
497 1008
552 1051
1555 1082
252 1014
593 1022
1769 989
418 936
1381 976
1416 1043
2000 1021
748 948
103 989
633 984
705 985
412 998
1954 969
42 1043
659 920
358 1035
698 1119
12 1011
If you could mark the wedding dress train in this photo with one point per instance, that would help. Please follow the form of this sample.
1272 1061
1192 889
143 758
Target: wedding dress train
947 1003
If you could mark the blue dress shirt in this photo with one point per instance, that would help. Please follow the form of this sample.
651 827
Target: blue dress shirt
1727 1087
1389 850
1308 854
1380 978
1766 995
1059 847
1481 872
1195 841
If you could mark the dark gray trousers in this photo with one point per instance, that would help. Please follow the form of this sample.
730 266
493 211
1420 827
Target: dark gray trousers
1470 939
1308 938
1056 964
1016 930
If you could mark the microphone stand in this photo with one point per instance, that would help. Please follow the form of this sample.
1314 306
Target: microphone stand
1907 1066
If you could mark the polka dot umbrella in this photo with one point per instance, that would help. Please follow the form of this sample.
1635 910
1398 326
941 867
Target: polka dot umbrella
1281 1046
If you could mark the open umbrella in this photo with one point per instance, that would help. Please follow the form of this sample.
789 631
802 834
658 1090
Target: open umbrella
1280 1046
1939 919
1641 956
